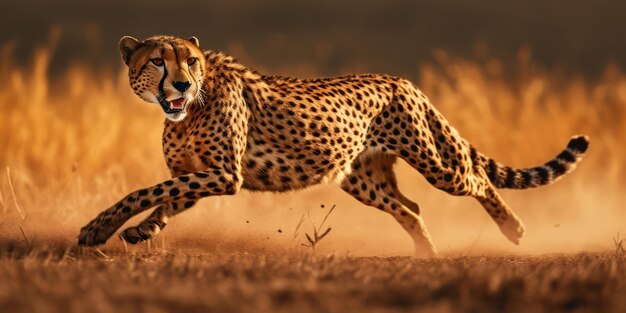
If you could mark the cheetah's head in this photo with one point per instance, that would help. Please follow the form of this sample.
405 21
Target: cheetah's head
165 70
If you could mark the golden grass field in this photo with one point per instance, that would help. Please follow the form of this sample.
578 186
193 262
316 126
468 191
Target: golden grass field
73 144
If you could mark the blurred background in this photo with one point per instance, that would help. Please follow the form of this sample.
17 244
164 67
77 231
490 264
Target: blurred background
329 37
517 80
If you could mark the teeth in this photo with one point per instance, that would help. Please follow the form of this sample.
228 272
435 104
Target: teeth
179 104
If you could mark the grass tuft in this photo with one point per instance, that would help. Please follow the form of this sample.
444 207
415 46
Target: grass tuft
319 232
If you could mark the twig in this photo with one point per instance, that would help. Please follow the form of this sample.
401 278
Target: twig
24 234
17 206
324 233
327 214
102 253
311 242
295 232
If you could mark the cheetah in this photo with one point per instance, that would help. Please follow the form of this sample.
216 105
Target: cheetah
229 128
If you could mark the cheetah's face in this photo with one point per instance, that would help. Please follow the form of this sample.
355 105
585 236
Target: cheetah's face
167 71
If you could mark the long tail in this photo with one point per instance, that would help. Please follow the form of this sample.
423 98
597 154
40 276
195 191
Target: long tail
502 176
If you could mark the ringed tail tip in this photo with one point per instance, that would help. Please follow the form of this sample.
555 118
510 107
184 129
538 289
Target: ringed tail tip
579 143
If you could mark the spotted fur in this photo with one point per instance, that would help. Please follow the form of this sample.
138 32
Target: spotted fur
244 130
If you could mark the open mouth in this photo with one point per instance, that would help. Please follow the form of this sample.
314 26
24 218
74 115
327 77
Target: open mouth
174 106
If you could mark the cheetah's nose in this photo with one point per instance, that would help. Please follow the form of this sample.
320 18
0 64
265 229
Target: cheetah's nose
181 86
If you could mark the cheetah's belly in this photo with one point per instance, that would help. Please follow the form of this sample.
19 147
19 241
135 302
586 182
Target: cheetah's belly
270 169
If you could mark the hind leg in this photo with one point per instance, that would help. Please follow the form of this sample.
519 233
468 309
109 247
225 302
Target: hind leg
509 224
425 141
373 183
386 167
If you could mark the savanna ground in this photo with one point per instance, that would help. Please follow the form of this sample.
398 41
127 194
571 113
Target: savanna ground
72 145
62 280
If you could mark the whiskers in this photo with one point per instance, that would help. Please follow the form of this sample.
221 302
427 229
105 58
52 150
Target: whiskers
201 97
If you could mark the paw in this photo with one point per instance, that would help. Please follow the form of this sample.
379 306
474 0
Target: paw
140 233
95 233
513 229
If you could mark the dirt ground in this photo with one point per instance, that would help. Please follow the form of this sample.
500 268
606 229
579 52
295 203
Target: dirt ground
58 279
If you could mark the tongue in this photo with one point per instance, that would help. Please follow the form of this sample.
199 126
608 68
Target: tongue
178 103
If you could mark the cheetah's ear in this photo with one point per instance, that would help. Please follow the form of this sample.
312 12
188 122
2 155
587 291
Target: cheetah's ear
128 45
194 41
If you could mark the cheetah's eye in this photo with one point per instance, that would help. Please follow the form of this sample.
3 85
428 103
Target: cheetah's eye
191 61
157 61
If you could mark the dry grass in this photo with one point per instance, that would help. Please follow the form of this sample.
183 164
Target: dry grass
58 280
73 144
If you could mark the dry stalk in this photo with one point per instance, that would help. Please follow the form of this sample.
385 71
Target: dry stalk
102 254
296 232
318 233
619 246
28 242
17 206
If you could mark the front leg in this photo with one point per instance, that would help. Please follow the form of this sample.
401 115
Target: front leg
229 114
158 219
154 223
186 189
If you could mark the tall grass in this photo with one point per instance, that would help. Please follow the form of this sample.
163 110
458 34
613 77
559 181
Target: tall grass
76 142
